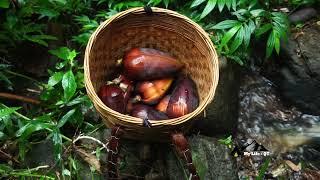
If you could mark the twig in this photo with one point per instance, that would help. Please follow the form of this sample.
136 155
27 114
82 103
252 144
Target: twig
9 156
33 90
20 98
93 139
23 76
39 167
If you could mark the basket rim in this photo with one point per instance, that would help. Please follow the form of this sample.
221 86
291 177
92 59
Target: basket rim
137 121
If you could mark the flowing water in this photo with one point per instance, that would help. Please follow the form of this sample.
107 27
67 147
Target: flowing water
292 138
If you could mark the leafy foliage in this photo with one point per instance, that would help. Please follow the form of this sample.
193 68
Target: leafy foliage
248 20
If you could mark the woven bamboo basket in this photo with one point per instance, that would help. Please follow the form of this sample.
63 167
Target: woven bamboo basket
164 30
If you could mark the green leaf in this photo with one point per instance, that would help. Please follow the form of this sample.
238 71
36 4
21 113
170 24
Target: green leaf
282 31
66 172
257 12
209 7
221 4
196 3
55 79
5 168
200 164
251 26
7 111
234 5
237 59
26 131
69 85
226 141
63 2
40 39
22 149
65 118
237 40
2 136
277 43
50 13
263 169
263 29
4 78
64 53
77 118
57 144
227 36
78 100
166 3
228 4
4 3
247 36
270 44
226 24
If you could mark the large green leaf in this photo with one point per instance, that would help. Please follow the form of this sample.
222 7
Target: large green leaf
227 36
237 41
27 130
64 53
65 118
209 7
226 24
69 85
196 3
4 3
55 78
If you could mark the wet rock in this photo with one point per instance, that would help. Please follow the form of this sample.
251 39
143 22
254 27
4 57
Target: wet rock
212 160
139 160
299 77
41 154
221 115
302 15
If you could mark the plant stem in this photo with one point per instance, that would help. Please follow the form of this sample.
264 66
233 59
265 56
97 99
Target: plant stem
27 174
23 76
63 136
18 114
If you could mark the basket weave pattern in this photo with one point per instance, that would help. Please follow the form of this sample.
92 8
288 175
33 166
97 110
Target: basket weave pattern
164 30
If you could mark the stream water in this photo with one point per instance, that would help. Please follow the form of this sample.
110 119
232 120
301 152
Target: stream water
291 137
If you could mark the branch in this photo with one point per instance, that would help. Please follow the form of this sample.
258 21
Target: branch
93 139
20 98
